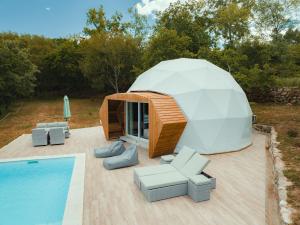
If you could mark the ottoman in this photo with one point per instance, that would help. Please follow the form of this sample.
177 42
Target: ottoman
199 187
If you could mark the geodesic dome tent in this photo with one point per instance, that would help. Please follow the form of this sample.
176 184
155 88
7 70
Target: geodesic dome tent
219 117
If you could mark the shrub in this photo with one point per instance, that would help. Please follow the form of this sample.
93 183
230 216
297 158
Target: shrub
292 133
288 81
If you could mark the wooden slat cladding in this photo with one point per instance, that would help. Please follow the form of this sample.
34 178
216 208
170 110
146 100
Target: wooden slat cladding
103 112
166 120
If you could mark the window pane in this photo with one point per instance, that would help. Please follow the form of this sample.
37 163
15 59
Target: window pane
144 116
132 118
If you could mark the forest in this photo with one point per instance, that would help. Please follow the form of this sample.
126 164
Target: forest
257 41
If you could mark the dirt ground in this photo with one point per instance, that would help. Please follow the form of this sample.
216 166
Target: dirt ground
24 115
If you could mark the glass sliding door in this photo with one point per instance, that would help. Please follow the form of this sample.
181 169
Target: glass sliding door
137 119
132 118
144 121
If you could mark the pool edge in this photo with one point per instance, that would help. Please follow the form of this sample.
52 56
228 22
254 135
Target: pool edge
73 214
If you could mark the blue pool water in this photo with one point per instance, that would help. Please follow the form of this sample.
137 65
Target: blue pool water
34 192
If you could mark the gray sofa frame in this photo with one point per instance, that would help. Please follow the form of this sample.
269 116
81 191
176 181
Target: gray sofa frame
56 135
64 125
39 137
160 185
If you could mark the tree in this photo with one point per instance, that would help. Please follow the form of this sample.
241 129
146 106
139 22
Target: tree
110 60
60 72
257 79
17 73
232 22
275 16
292 36
164 45
138 26
189 19
229 59
257 52
96 21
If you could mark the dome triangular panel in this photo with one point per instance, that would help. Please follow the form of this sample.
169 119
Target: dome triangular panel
216 108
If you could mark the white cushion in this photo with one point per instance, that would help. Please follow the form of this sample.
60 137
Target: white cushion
163 180
195 165
41 125
150 170
200 179
168 158
183 156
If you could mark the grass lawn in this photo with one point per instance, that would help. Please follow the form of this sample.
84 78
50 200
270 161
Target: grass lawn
286 120
24 115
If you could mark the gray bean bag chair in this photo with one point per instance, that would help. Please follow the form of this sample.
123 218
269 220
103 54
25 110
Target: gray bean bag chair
127 158
116 148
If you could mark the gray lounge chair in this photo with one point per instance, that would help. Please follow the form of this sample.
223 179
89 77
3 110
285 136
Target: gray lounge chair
116 148
172 184
127 158
39 137
57 135
177 163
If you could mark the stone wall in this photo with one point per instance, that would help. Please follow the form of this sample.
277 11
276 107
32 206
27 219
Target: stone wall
282 95
280 182
286 95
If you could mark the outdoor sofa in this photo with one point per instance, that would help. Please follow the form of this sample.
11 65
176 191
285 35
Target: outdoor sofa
39 137
53 133
128 158
56 135
181 177
64 125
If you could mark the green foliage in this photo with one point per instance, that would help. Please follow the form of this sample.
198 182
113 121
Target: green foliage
138 26
114 50
98 23
60 73
188 20
292 133
17 73
256 78
275 15
288 81
232 22
164 45
292 36
109 60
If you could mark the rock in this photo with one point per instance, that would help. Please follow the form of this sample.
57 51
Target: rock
282 203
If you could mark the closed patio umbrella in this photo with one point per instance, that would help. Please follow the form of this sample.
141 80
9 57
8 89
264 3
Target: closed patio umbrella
67 112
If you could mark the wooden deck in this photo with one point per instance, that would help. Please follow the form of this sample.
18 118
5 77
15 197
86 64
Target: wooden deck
111 198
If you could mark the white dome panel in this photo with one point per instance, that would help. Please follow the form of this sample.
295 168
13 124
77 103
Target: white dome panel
219 117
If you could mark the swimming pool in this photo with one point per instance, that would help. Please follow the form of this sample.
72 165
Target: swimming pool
34 192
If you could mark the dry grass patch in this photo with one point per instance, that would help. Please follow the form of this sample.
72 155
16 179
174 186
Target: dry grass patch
24 115
286 120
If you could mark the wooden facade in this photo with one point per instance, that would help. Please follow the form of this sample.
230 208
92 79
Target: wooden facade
166 120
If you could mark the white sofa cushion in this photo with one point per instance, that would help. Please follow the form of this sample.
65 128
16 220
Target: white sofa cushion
200 179
163 180
150 170
167 158
183 157
195 165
